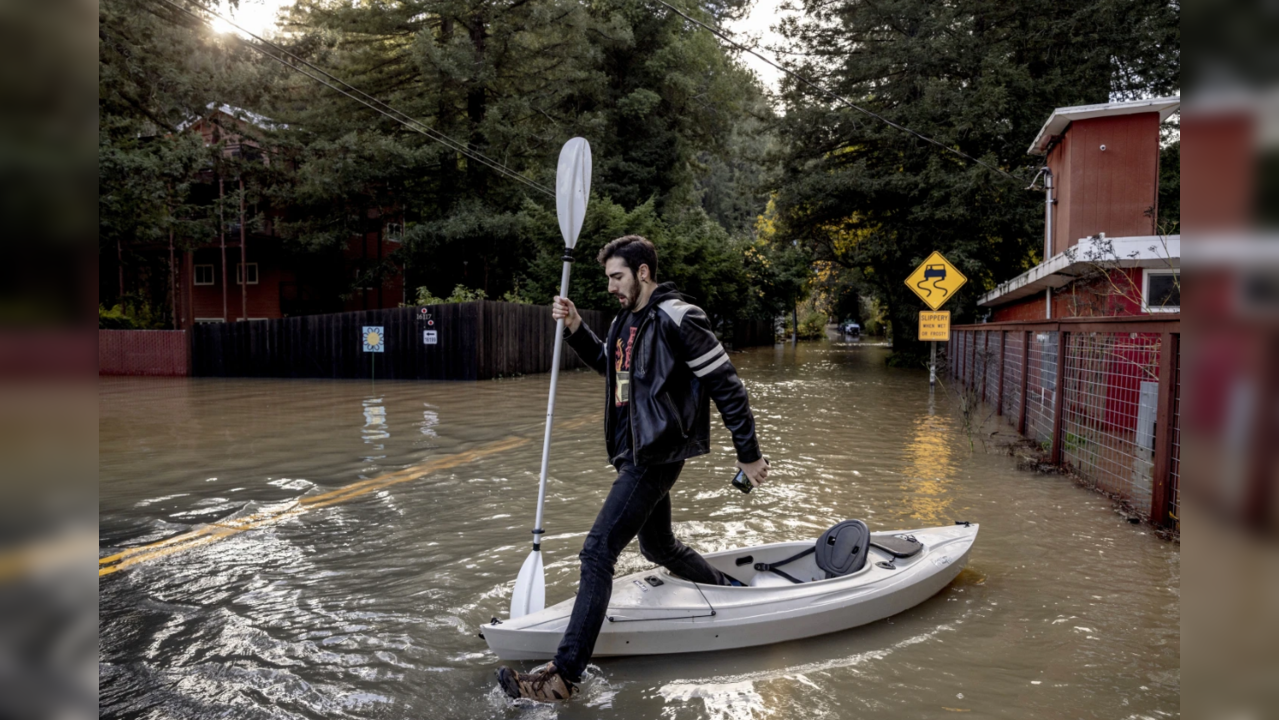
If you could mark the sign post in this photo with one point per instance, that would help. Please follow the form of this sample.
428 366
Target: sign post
935 281
934 326
374 342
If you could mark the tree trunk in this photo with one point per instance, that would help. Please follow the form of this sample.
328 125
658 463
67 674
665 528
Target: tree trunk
244 261
477 104
222 242
173 282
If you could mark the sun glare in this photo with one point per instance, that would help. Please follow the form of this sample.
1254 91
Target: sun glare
255 16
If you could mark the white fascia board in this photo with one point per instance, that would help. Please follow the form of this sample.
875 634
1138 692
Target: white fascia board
1235 250
1064 116
1149 251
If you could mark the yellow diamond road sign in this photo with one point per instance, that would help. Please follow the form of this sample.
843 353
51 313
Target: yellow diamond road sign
936 281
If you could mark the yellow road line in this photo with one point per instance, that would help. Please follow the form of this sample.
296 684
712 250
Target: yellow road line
218 531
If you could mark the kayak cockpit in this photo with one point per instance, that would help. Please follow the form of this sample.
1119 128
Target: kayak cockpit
747 565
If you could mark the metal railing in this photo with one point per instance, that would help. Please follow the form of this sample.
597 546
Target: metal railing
1100 396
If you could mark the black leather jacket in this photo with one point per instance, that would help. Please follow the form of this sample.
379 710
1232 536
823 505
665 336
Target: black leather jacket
678 367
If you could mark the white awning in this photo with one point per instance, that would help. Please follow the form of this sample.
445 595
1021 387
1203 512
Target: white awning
1148 251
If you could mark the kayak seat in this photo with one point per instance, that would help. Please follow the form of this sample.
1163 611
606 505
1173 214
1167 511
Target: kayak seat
840 551
899 546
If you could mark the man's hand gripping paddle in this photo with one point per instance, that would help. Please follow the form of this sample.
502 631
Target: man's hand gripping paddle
572 189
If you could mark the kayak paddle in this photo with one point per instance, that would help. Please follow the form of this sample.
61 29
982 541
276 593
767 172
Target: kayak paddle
572 189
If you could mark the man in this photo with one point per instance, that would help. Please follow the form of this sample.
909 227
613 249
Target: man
662 365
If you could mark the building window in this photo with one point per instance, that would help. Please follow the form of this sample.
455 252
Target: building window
201 321
1162 291
253 273
203 274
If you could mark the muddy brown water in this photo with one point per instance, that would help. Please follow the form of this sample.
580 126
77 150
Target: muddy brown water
366 603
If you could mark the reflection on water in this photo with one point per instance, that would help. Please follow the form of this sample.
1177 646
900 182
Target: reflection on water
930 470
351 539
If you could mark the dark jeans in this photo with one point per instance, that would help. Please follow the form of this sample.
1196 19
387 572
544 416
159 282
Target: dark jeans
638 504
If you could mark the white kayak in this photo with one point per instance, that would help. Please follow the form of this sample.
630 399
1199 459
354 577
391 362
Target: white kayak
653 612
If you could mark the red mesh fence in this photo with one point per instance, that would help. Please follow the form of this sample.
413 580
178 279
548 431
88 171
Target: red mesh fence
143 352
994 343
1174 467
1110 399
1011 397
1041 386
978 375
1109 405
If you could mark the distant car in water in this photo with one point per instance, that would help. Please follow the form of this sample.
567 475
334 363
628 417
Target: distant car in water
851 328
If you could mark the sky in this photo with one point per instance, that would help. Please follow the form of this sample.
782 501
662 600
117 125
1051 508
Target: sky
757 25
258 17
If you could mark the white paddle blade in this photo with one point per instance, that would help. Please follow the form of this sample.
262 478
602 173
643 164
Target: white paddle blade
530 587
573 188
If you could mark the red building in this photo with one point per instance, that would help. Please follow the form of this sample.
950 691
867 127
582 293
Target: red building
248 273
1104 255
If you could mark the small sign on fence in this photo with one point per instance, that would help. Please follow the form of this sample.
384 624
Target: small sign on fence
373 339
935 281
430 337
934 325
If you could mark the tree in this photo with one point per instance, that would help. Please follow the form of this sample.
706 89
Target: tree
158 70
980 76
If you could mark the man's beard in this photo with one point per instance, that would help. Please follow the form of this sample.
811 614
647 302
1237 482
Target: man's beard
628 301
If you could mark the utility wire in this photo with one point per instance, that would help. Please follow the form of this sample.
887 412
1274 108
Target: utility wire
319 75
840 98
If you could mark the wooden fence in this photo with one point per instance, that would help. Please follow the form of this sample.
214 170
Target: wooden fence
1102 397
472 341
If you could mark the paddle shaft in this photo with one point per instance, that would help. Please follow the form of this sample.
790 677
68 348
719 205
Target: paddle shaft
550 407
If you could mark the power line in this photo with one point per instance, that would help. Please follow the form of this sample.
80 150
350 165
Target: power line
364 98
840 98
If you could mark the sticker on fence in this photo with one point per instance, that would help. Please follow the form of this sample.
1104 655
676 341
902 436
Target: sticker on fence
430 337
373 339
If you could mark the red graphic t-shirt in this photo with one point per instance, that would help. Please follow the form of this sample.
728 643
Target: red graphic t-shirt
622 366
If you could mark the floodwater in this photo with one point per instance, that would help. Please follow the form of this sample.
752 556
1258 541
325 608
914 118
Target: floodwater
345 541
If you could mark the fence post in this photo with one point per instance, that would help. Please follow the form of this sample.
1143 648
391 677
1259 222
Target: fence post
1059 394
1025 381
1169 345
999 391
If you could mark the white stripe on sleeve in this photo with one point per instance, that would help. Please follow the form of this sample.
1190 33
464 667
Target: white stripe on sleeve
712 366
716 351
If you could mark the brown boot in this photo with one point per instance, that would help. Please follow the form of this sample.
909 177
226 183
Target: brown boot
543 685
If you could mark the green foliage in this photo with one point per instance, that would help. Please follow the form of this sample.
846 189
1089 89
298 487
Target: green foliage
132 314
978 76
424 297
517 296
115 319
462 294
693 251
812 326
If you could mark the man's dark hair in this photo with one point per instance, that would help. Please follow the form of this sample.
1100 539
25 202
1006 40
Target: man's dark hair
635 250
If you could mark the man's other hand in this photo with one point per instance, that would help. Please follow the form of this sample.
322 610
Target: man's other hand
564 309
756 472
